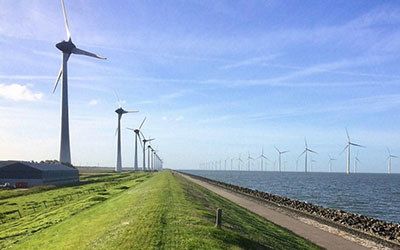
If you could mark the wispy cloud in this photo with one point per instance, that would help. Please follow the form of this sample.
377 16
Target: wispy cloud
19 92
251 62
93 102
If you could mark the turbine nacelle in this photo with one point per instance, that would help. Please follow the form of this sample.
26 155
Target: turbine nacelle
66 46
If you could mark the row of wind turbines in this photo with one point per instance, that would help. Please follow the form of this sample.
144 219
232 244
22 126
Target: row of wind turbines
154 162
217 165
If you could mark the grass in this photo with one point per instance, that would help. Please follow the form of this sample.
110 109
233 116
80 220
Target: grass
162 212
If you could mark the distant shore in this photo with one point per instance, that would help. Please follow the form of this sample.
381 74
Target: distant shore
382 232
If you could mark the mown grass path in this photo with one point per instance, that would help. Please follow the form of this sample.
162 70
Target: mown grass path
164 212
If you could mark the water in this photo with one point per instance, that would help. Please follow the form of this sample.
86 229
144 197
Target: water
374 195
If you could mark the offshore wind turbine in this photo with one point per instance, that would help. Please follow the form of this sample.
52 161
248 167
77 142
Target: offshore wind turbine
249 159
356 161
239 161
262 157
67 48
305 153
280 158
137 137
330 163
389 159
120 112
348 146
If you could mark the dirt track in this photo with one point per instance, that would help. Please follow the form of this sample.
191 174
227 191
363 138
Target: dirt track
322 235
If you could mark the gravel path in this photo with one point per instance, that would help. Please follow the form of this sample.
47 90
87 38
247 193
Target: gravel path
322 235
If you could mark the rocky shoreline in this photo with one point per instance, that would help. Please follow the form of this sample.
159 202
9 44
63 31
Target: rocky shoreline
361 223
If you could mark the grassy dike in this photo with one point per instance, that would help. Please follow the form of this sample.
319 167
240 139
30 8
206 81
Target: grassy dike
165 211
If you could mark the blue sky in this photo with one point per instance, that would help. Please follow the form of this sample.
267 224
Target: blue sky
215 79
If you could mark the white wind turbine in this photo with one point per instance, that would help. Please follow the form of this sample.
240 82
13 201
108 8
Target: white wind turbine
280 158
249 161
240 161
330 163
262 157
305 153
120 111
67 48
356 161
137 137
348 146
144 149
389 159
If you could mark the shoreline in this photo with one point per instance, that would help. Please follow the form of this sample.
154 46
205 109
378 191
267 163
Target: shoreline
381 232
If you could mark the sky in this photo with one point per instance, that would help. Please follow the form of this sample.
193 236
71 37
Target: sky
216 79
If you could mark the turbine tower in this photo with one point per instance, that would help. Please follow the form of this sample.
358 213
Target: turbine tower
389 159
330 163
120 111
239 161
305 153
280 158
137 136
67 48
348 146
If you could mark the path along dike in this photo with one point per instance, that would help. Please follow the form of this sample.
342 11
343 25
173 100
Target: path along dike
325 234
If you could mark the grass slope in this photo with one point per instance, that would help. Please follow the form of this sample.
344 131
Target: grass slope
164 212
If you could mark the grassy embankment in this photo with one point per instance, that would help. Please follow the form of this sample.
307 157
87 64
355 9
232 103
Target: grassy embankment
165 211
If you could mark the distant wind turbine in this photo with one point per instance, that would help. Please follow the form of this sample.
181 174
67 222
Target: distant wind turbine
356 161
262 157
249 161
389 159
330 162
67 48
144 149
239 161
137 137
305 153
280 158
348 146
120 111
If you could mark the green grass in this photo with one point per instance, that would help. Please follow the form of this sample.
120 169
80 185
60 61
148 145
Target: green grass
162 212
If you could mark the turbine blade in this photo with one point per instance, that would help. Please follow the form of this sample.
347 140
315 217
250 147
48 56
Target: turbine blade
347 133
140 140
86 53
277 149
66 20
130 129
131 111
142 123
285 152
58 79
117 97
144 137
344 149
302 154
357 145
388 150
116 131
305 142
309 150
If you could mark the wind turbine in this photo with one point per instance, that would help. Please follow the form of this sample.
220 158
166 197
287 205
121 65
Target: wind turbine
356 161
120 111
348 146
137 136
280 157
144 149
262 157
67 48
389 159
305 152
330 162
249 159
239 161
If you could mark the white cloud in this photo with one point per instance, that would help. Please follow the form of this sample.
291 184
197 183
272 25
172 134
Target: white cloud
179 118
18 92
93 102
